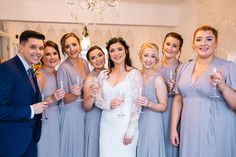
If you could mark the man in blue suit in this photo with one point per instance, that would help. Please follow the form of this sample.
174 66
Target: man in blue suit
20 99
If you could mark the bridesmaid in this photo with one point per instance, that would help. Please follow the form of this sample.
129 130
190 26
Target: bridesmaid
204 101
46 76
153 102
71 75
171 50
96 57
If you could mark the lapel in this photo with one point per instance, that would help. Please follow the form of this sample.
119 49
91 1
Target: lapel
24 75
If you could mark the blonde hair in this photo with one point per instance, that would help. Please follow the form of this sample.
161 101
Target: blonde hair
63 41
152 46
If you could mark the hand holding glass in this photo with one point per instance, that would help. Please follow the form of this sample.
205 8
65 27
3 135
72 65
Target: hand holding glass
94 87
61 87
142 101
80 84
171 79
139 99
214 83
44 117
121 99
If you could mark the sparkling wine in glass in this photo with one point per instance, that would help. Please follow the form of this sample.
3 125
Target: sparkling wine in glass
214 84
61 87
80 84
140 94
121 98
95 83
44 117
171 78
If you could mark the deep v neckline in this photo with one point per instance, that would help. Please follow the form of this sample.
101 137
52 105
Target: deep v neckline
147 83
201 75
120 81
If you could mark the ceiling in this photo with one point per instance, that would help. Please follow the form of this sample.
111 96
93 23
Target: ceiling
158 2
161 2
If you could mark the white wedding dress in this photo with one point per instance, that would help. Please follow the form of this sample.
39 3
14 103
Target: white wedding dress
113 127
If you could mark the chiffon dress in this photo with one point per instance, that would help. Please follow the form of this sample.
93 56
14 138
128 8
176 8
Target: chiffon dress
72 117
208 124
151 129
49 143
171 150
92 131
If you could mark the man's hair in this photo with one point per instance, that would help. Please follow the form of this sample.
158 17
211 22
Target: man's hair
30 34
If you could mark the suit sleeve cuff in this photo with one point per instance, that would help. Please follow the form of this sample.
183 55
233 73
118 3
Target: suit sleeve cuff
32 112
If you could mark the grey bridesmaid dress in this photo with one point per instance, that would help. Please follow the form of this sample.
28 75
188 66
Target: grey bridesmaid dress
151 133
171 150
72 115
92 131
49 143
208 125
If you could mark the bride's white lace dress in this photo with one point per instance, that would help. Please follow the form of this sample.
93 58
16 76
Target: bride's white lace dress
112 126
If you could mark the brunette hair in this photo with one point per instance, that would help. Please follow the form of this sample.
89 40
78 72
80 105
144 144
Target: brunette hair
181 41
124 44
30 34
91 49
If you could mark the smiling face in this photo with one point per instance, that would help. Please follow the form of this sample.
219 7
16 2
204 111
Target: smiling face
204 43
117 53
50 57
148 58
72 47
171 47
32 50
97 59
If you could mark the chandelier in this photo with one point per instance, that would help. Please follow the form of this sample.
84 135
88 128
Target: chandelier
93 5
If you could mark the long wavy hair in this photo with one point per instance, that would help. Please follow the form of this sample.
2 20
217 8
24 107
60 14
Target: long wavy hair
127 52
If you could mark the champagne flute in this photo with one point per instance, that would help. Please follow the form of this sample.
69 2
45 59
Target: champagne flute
44 117
121 98
95 83
214 84
61 87
80 84
140 94
171 78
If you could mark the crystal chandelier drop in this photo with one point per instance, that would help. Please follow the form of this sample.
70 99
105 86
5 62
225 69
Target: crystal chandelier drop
93 5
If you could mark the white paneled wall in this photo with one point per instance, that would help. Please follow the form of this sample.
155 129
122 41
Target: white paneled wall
58 11
137 23
99 34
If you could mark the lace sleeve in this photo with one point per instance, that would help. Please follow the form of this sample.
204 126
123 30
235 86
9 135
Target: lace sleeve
100 102
136 85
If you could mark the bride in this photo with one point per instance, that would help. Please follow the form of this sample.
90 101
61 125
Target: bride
120 85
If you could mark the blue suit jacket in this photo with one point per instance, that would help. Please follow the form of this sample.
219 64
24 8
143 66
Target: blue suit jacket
17 129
